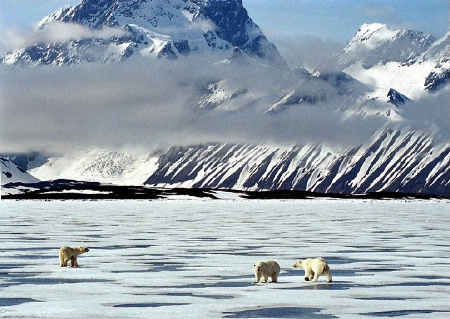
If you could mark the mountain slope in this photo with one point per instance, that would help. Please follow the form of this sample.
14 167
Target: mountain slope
113 30
391 161
12 173
97 165
246 93
375 44
410 62
440 75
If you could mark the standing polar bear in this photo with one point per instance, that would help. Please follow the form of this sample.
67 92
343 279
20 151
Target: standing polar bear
67 253
314 267
265 270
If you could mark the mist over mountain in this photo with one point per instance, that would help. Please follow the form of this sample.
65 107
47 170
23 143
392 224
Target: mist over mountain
191 93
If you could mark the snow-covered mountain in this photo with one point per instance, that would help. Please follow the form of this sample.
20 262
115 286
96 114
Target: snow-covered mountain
388 163
113 30
440 75
98 165
391 79
391 161
411 62
375 44
12 173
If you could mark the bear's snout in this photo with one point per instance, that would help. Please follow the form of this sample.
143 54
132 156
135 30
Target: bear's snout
86 249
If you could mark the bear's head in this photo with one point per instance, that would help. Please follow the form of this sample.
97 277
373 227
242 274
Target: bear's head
298 264
258 267
83 249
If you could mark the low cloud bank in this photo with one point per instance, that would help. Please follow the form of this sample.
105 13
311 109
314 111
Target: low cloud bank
53 32
150 104
310 52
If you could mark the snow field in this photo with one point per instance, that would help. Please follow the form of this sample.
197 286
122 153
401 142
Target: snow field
194 259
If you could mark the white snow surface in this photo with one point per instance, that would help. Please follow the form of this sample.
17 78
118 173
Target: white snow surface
11 173
99 165
409 80
194 259
383 59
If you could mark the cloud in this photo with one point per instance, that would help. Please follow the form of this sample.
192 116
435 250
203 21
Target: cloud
430 114
57 31
197 26
54 32
372 11
149 104
107 105
309 52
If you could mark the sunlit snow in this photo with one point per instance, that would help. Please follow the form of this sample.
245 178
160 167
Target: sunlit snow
194 259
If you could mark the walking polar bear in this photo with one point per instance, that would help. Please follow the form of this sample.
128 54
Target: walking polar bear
67 253
265 270
314 267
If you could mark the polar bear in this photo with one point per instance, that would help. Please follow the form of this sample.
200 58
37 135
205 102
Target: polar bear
265 270
314 267
67 253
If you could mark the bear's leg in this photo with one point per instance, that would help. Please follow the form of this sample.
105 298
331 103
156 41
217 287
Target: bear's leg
62 259
265 277
328 275
275 277
73 261
257 278
316 276
308 275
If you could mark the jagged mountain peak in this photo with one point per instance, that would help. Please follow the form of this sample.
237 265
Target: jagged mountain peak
367 30
154 28
99 13
396 98
377 44
412 62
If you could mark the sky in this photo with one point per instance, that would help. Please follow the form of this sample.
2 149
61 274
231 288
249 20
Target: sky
287 20
340 19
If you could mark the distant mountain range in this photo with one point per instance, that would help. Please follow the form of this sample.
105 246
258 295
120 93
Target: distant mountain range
393 75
